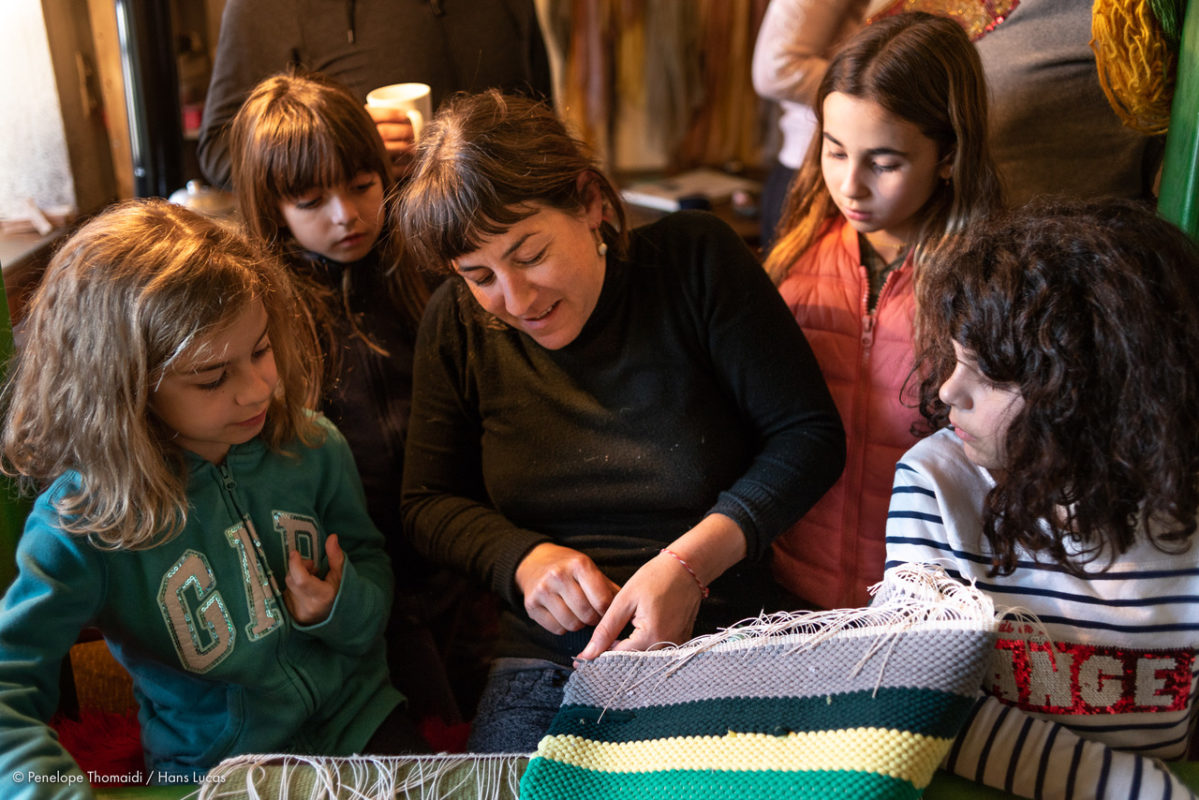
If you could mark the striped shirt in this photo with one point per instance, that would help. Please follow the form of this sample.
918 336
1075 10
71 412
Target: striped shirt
1090 710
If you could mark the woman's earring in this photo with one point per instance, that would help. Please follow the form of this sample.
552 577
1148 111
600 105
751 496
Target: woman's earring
601 246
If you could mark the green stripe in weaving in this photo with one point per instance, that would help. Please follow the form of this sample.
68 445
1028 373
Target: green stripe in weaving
548 780
925 711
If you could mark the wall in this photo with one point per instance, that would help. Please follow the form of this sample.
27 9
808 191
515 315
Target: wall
33 162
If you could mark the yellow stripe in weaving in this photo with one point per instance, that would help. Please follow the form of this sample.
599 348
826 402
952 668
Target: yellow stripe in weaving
902 755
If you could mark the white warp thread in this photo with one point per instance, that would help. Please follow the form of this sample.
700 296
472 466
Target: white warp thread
910 597
488 777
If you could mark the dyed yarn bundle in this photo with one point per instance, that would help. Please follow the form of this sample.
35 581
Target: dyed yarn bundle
1136 44
856 703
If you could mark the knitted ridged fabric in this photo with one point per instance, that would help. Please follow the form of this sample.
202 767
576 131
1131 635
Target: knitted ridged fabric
862 703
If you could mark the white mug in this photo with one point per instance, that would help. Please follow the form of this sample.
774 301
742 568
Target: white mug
412 98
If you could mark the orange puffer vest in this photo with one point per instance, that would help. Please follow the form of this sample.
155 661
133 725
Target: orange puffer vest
836 550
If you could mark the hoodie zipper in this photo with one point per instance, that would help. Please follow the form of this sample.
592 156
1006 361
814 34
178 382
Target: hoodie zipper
252 544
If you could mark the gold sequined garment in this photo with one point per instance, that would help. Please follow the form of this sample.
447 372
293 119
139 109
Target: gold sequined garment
977 17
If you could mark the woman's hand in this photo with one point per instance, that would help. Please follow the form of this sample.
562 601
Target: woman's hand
661 600
563 589
308 597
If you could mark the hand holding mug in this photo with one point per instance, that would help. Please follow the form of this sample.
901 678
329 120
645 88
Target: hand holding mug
400 111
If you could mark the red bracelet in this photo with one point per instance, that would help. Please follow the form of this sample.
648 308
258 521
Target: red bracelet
702 589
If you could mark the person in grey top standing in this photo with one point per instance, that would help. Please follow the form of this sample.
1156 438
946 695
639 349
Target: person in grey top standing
452 45
1052 128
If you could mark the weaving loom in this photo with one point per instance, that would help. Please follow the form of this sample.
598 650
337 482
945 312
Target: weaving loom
849 703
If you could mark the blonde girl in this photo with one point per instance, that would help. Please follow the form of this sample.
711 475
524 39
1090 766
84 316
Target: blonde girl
192 509
899 161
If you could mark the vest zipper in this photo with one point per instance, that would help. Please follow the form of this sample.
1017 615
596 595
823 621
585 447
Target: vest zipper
871 317
851 515
867 336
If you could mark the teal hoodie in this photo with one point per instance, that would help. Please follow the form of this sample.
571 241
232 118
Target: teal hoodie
219 666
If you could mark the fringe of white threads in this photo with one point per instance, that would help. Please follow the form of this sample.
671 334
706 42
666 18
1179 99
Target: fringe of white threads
495 777
909 596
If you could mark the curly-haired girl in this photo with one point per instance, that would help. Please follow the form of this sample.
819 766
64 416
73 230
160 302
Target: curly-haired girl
1059 351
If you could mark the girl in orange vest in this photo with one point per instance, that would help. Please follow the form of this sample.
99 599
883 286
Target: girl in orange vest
900 161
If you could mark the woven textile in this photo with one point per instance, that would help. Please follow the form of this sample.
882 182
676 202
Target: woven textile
859 703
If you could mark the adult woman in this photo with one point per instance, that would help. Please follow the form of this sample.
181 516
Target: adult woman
603 423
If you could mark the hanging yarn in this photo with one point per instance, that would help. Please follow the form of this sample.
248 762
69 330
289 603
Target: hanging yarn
1169 15
661 85
1135 61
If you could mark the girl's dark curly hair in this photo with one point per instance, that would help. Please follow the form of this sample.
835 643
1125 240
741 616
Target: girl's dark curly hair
1091 310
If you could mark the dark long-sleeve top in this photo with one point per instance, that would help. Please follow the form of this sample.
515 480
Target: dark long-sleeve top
452 45
369 397
689 391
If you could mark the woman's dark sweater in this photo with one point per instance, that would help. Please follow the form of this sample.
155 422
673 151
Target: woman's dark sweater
689 391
